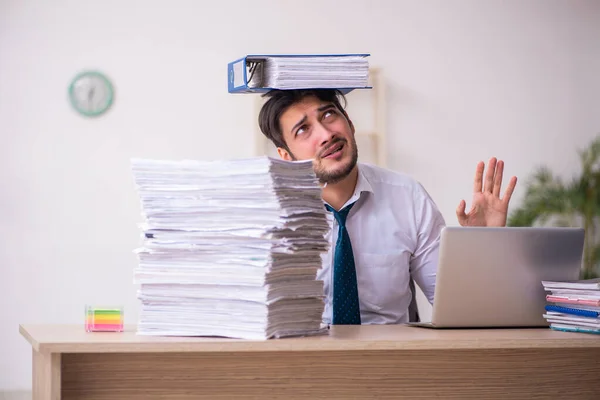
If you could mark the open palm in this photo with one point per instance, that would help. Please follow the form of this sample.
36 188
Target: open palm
487 208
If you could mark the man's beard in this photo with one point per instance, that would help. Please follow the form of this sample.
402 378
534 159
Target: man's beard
335 176
331 177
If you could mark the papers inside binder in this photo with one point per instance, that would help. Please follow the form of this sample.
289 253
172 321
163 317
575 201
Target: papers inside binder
265 72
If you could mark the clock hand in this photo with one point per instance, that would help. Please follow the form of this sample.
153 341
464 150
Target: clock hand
90 96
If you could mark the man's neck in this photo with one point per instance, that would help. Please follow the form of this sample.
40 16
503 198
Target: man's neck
337 194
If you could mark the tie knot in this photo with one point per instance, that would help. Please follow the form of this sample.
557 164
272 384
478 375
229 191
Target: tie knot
340 216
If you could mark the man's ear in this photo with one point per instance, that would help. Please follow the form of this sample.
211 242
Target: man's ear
284 154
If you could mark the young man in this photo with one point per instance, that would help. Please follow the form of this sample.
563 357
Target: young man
386 229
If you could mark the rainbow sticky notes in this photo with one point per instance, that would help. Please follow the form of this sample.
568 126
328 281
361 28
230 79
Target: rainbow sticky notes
104 319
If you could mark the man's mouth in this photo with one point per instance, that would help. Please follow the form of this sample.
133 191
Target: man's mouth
334 150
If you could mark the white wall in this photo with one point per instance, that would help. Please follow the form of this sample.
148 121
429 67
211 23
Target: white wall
465 80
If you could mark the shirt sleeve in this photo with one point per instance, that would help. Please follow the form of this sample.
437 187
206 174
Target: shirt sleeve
429 223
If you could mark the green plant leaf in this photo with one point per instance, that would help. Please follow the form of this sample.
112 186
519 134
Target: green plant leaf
545 196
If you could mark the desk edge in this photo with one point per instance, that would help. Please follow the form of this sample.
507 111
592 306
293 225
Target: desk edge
172 345
283 346
34 343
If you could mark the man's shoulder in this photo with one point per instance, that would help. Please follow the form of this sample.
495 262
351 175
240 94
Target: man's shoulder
379 176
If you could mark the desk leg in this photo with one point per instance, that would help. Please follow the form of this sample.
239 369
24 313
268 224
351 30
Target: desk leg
46 376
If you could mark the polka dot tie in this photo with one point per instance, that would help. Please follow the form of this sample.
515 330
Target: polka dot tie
346 310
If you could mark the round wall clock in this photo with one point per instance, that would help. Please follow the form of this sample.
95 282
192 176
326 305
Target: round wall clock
91 93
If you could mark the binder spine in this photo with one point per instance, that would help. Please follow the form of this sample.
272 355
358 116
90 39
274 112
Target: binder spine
237 78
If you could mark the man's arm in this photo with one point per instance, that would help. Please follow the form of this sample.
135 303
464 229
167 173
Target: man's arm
429 223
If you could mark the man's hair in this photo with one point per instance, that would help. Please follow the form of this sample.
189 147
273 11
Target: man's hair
280 100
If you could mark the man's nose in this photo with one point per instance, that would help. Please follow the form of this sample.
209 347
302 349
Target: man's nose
325 135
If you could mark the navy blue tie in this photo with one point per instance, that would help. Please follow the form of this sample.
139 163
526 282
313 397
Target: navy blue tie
346 309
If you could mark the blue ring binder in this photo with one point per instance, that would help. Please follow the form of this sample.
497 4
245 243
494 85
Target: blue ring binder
240 82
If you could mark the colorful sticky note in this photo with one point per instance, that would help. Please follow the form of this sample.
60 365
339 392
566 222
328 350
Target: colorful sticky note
104 319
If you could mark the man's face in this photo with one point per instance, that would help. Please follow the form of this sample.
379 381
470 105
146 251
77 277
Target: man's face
318 130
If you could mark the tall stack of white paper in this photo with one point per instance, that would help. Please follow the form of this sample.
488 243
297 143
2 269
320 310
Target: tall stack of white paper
323 72
231 248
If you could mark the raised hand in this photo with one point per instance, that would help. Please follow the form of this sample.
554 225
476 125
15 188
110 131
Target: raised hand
487 208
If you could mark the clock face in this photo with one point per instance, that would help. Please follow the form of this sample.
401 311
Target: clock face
91 93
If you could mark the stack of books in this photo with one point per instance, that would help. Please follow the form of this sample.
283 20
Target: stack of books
573 306
230 248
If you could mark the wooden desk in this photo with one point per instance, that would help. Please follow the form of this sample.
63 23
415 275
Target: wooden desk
364 362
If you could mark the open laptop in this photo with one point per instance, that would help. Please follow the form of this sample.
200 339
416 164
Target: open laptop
492 277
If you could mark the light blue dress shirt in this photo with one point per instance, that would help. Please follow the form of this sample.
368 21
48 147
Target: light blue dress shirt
395 230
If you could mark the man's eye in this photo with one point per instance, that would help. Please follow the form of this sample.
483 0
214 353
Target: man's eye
301 130
329 113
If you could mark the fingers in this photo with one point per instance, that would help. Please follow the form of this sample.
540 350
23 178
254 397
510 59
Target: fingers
489 175
478 177
498 178
509 189
460 212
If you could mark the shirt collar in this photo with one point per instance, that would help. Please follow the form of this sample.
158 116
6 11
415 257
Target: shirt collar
362 185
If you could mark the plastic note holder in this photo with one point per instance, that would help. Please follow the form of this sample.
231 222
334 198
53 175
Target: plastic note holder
104 319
